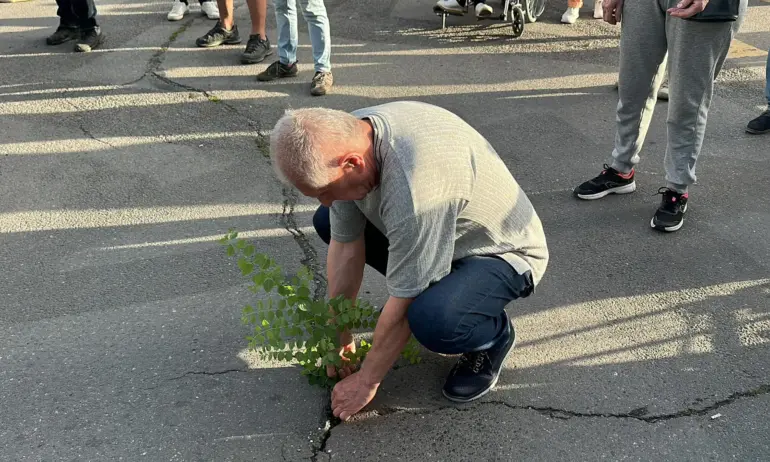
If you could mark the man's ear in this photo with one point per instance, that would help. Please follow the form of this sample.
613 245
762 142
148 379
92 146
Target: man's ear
352 160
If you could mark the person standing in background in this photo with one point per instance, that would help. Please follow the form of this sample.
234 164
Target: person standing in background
226 31
181 7
652 31
573 11
77 21
761 124
314 12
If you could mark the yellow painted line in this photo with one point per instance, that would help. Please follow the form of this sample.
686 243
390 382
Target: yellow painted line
739 49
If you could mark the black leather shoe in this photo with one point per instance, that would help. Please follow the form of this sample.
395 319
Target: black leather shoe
476 373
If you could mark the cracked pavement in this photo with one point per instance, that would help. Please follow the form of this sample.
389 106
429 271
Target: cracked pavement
120 334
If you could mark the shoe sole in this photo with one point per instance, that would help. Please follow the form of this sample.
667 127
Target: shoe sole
626 189
757 132
214 45
255 61
270 79
491 386
668 229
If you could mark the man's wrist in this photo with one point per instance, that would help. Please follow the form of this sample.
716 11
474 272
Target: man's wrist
370 378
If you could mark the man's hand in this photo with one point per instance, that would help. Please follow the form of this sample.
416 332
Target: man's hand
613 11
688 8
347 368
351 395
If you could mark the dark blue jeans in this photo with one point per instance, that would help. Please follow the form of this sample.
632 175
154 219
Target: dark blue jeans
77 13
464 311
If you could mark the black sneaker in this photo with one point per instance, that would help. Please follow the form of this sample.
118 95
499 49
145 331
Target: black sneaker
670 214
90 39
257 50
63 34
761 124
610 181
475 374
322 83
278 70
218 35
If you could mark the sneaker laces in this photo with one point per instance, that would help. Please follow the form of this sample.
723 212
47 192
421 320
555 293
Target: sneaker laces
254 42
472 361
320 78
671 199
218 29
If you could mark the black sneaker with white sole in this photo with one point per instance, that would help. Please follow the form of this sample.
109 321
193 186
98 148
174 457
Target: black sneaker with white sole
670 215
476 373
610 181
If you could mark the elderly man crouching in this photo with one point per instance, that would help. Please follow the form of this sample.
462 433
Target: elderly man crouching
420 196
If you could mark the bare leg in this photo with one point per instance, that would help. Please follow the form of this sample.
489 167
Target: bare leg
226 13
258 13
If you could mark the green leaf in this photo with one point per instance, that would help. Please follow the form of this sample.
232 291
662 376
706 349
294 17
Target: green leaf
240 244
245 266
230 250
265 323
268 285
248 250
248 309
303 292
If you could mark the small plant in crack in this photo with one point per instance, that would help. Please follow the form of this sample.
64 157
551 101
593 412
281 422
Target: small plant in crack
289 324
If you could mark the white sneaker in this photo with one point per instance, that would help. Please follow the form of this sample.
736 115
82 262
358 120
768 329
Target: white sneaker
450 6
177 11
210 9
598 11
570 16
483 10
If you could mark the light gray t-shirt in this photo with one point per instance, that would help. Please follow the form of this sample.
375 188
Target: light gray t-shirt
444 194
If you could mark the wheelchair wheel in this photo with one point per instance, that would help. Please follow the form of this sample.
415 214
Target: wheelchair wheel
517 20
533 9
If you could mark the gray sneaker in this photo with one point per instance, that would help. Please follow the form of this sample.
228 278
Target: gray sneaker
322 83
257 50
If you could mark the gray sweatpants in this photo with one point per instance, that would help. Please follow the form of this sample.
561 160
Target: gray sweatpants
695 50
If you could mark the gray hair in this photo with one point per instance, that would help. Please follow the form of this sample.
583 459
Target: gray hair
296 140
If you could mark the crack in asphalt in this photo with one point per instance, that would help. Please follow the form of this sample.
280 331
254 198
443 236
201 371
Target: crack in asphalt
331 422
310 255
189 373
565 414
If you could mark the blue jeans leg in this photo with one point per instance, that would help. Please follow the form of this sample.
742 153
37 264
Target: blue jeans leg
464 311
767 80
286 20
320 33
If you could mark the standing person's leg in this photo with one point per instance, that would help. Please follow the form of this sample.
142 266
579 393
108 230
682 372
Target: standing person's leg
736 26
288 40
695 49
225 32
69 27
179 8
91 34
572 13
210 9
314 12
761 124
258 46
642 63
